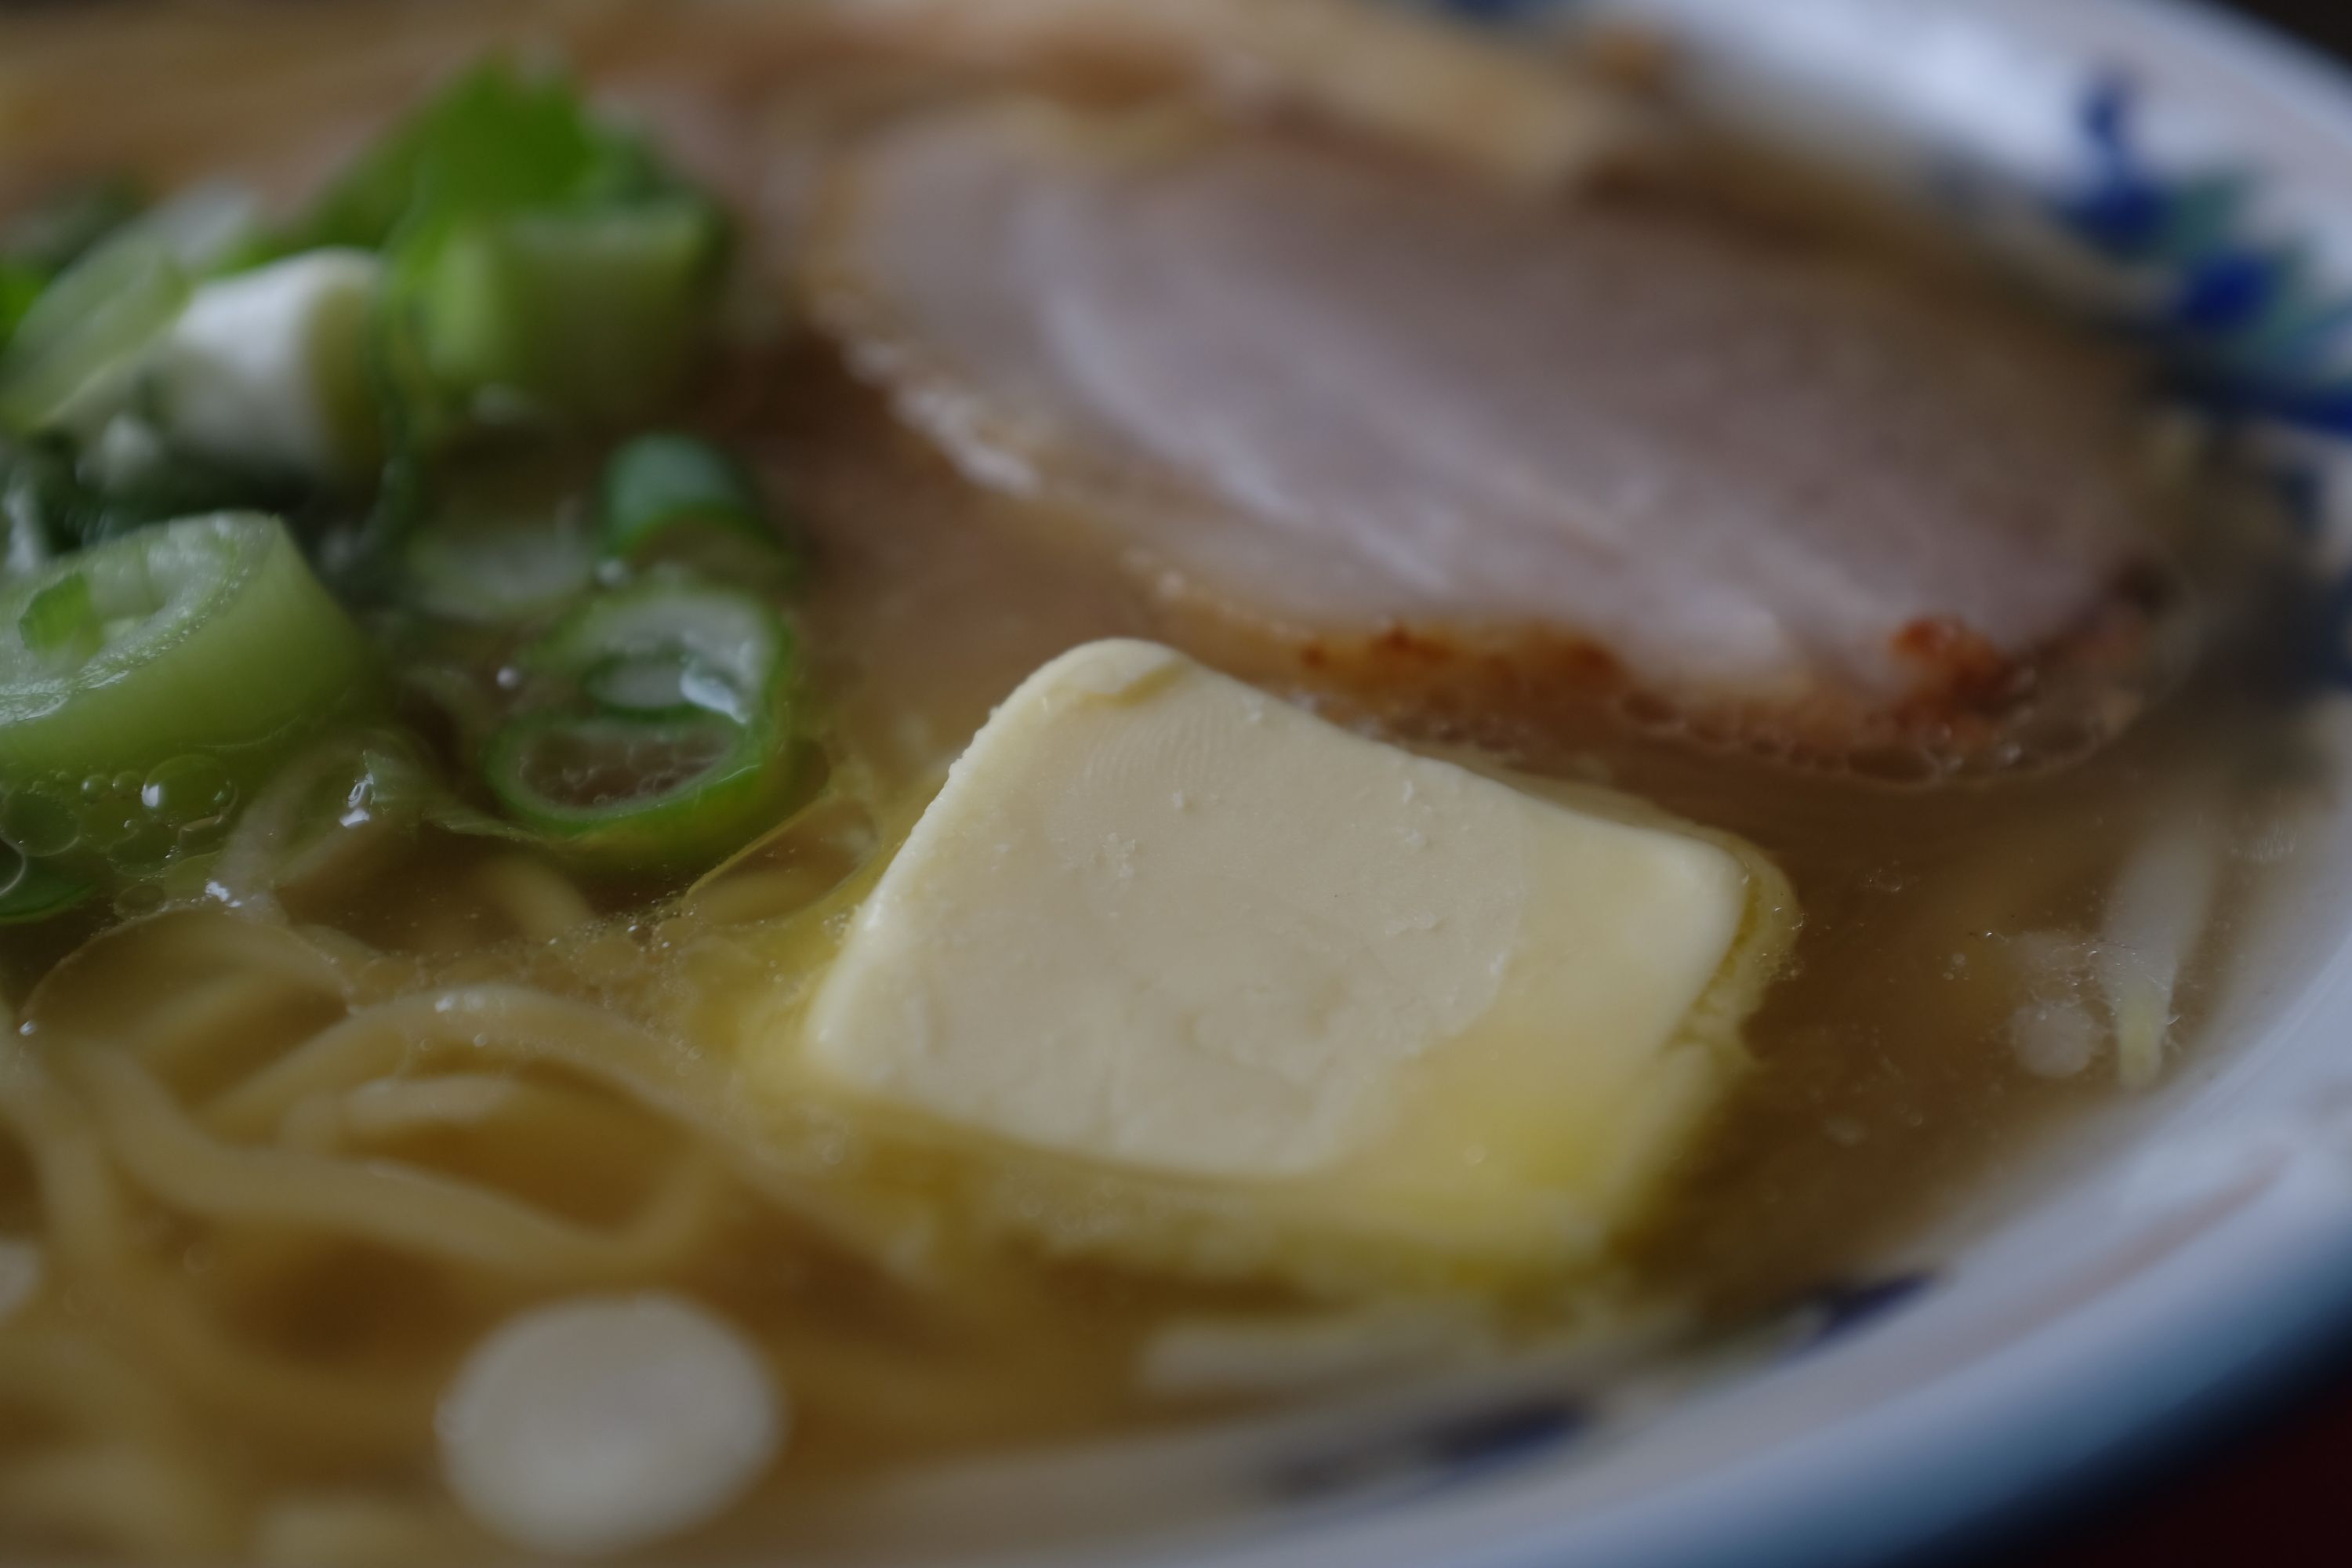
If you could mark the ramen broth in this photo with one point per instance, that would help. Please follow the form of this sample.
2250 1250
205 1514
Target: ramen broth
234 1378
1888 1073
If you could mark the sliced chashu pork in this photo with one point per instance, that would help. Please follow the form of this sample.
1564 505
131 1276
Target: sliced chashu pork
1402 422
1519 115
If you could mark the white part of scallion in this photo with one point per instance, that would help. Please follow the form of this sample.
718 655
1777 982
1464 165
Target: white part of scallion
267 369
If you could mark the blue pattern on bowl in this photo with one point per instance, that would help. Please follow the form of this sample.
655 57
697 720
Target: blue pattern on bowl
2236 316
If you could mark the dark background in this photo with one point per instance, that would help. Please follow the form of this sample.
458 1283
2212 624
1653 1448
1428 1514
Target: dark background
2268 1491
2324 22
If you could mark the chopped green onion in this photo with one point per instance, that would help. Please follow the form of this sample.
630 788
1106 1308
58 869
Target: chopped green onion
351 778
216 649
544 265
668 649
690 752
35 890
497 139
589 316
80 337
394 782
498 572
20 285
677 498
664 685
637 794
656 482
61 622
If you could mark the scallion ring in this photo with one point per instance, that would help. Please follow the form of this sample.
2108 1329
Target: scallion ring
588 315
665 648
177 662
33 890
495 573
676 499
639 795
86 328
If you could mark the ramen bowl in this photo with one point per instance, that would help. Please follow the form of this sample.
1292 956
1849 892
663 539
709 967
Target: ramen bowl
1035 781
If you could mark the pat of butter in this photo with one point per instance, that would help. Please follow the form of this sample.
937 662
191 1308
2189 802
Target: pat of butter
1159 921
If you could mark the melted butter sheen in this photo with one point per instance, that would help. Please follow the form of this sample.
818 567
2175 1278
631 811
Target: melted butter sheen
1159 919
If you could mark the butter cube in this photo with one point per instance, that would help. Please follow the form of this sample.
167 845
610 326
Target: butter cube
1161 923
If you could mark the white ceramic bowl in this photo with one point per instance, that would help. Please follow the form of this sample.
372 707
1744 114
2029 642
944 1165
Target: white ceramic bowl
2160 1260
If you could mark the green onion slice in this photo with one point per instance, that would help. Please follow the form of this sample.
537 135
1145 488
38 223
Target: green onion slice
498 139
667 686
35 890
92 321
660 483
177 663
637 794
668 649
544 266
498 572
62 621
588 316
20 285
